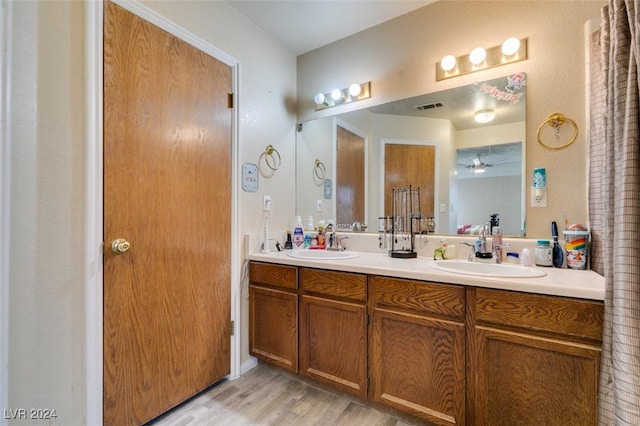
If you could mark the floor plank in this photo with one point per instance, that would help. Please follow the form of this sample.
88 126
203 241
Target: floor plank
268 396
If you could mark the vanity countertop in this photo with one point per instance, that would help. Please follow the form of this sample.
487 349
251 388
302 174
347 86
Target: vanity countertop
583 284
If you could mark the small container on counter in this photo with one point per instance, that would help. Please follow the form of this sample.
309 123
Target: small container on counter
576 246
525 257
543 253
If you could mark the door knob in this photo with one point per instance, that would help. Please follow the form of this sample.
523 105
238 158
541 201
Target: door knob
120 246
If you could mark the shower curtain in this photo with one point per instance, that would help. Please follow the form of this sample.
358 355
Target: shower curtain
614 207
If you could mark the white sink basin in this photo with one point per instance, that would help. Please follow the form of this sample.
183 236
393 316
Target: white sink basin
322 254
497 270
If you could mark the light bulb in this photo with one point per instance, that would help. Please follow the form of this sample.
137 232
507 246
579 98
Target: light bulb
336 94
477 55
355 89
319 98
510 46
448 63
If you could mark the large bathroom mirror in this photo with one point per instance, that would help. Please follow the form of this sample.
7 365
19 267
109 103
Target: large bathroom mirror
463 148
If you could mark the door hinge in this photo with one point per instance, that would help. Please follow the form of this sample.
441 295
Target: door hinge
367 320
233 328
229 100
368 382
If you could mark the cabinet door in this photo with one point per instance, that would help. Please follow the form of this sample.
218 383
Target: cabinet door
419 365
528 380
333 343
273 326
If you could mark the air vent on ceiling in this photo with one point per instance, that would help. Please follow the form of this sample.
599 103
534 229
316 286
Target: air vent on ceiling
429 106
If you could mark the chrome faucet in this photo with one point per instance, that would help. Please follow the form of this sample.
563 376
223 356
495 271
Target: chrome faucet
333 242
330 235
481 251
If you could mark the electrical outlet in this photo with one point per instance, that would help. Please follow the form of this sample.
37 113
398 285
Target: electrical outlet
319 206
266 203
538 197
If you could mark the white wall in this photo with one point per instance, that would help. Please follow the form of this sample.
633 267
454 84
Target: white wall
399 58
46 343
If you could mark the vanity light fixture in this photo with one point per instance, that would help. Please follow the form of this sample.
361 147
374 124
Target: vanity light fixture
484 116
510 46
512 50
353 93
448 63
477 56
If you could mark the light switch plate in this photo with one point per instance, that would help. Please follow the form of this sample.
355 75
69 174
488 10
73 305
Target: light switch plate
328 189
249 177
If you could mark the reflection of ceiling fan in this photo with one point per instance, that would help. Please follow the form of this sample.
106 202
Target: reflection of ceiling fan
477 165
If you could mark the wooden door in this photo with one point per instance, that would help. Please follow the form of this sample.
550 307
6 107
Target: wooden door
529 380
350 188
333 328
418 365
414 165
333 343
167 191
273 314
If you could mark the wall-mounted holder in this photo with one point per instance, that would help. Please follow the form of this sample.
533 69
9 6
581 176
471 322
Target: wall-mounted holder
552 135
319 172
272 159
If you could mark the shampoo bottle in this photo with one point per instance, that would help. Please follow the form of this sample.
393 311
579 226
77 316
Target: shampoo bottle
298 234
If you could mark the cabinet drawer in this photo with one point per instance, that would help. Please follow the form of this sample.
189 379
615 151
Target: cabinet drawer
420 297
276 275
570 317
332 283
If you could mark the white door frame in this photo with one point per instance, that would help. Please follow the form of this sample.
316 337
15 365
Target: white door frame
5 200
93 262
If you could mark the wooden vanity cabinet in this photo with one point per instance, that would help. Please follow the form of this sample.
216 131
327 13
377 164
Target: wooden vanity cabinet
273 314
418 348
536 359
333 328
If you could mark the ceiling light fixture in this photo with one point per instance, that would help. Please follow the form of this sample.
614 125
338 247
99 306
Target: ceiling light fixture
484 116
512 50
355 92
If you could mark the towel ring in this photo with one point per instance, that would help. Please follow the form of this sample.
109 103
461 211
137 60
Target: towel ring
272 161
556 120
319 170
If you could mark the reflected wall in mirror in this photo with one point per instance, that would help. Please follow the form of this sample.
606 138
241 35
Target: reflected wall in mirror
442 120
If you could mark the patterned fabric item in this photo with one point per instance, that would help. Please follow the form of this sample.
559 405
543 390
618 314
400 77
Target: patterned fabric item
614 206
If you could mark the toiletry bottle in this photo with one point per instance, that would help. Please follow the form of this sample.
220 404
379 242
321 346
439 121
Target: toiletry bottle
496 241
525 257
298 234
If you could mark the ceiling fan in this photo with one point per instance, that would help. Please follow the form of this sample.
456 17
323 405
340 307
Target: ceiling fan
477 165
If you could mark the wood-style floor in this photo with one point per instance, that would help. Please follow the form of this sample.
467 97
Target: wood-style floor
269 396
